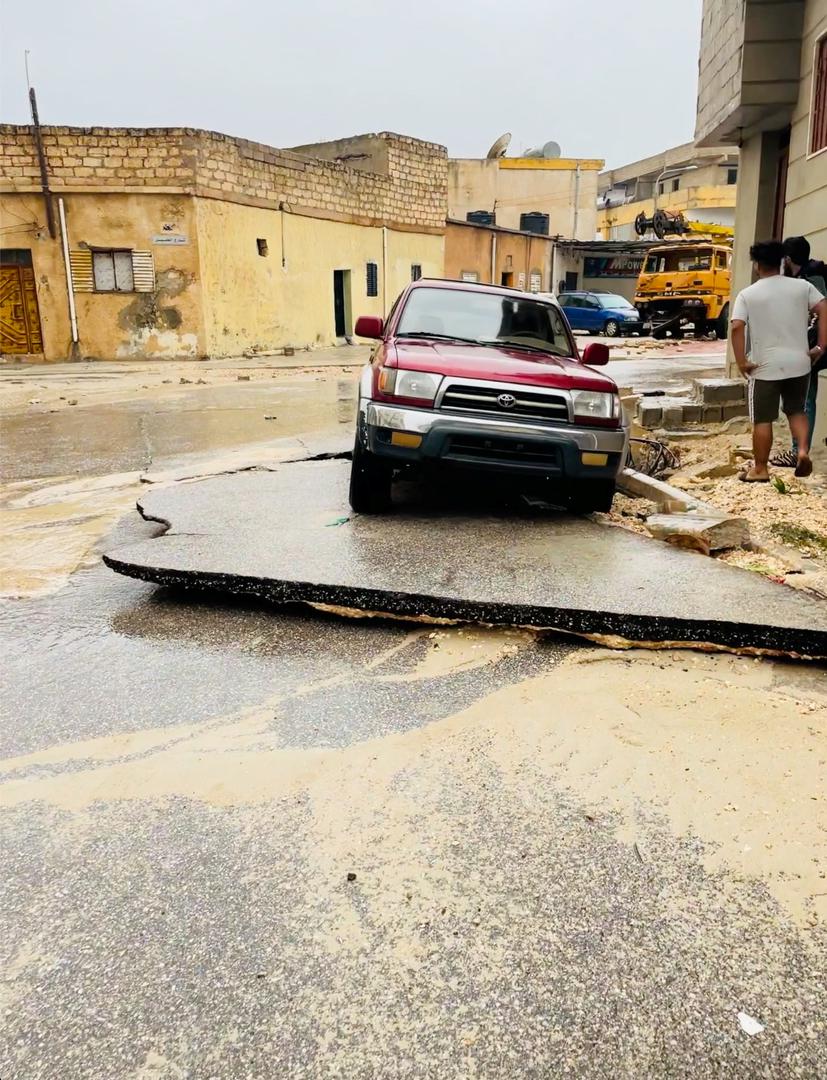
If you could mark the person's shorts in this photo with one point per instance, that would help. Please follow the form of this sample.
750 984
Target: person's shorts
765 395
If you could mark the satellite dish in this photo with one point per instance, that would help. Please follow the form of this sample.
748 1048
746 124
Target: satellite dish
551 149
500 146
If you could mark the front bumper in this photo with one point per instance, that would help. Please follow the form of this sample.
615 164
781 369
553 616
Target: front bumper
473 441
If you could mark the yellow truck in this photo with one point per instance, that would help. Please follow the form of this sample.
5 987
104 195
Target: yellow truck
685 284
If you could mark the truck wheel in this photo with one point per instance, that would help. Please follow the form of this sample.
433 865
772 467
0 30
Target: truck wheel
370 482
722 324
592 495
612 328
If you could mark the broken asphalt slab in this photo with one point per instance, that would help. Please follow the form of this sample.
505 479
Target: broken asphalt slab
287 535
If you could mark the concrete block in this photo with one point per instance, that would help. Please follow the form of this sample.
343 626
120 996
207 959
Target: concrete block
699 531
649 414
716 391
712 414
736 408
672 415
692 413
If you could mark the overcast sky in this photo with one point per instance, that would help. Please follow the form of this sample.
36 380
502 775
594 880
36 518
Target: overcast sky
606 79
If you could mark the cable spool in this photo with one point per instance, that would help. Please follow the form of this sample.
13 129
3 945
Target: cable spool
662 223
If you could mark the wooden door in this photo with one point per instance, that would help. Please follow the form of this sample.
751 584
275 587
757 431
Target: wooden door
19 315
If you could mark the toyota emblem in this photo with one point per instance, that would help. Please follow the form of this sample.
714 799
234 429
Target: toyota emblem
506 401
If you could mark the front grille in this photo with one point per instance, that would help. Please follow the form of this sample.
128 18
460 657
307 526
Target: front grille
536 404
503 450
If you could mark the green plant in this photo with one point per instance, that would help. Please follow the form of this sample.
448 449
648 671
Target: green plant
798 535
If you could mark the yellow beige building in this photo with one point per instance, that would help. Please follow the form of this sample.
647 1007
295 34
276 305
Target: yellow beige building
549 196
174 242
699 182
762 86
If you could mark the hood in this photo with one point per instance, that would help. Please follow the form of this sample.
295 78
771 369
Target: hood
505 363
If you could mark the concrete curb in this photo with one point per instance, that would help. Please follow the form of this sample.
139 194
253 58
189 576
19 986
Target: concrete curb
664 496
707 528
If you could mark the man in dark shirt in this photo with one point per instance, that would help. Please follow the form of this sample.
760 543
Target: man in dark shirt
797 263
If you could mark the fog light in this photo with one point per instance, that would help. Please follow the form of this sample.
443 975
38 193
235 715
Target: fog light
405 438
594 459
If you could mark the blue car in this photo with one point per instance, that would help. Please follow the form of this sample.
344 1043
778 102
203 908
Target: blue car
601 313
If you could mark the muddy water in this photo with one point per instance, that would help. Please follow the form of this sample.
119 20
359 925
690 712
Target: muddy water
135 435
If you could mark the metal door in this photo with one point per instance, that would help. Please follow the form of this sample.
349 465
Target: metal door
19 315
339 301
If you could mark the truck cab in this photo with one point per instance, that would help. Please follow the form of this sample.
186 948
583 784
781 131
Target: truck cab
685 283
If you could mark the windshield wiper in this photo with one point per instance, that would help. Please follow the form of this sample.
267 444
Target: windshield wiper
439 337
550 351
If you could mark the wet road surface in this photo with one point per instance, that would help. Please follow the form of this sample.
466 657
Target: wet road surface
258 842
543 568
98 438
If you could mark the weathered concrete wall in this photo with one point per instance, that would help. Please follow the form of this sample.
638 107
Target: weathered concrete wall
286 297
806 197
411 192
165 322
719 63
368 153
122 186
468 250
515 186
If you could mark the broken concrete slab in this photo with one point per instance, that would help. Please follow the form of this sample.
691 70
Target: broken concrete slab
699 531
267 535
663 495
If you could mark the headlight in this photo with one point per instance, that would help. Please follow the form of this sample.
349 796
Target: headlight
588 403
420 385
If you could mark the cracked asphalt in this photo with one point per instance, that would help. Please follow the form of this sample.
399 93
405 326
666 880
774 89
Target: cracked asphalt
247 842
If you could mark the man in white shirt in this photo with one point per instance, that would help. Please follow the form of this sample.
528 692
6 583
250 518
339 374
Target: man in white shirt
769 338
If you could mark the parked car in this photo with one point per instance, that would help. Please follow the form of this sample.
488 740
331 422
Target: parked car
469 376
601 313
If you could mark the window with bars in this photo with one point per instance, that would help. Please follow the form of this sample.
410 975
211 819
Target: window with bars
372 279
416 271
818 115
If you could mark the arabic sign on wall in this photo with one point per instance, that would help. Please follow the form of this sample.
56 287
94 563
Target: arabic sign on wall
170 238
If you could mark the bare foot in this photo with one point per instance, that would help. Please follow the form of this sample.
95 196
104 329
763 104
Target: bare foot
754 475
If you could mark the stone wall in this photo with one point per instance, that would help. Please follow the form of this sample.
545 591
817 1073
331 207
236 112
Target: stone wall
411 193
719 63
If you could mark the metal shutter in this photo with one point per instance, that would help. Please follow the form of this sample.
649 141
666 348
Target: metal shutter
143 271
80 265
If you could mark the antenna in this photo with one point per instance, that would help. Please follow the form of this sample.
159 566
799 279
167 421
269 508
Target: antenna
500 146
26 65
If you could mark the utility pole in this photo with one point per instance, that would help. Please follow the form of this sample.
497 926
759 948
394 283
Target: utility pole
44 171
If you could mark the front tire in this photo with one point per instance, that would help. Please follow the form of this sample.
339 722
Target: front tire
370 482
612 328
722 324
592 496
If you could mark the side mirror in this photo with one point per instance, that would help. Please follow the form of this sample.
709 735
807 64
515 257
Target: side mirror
594 355
371 326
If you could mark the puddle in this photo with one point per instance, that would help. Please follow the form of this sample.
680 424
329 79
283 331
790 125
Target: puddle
142 433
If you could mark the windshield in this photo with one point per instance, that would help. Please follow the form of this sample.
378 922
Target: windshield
614 301
486 318
678 262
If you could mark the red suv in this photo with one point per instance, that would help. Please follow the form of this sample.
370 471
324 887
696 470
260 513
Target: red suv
487 378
